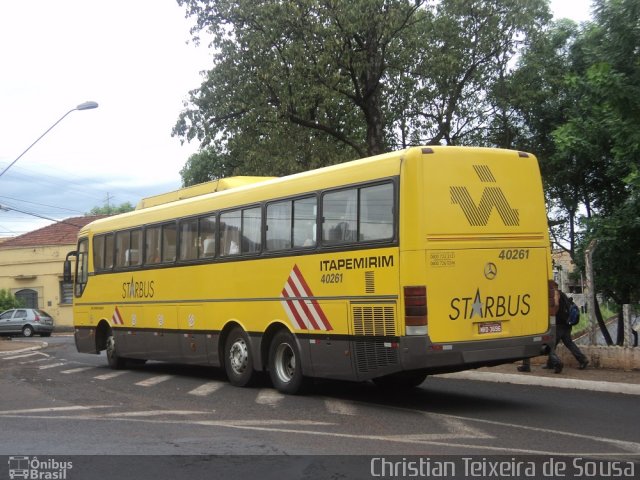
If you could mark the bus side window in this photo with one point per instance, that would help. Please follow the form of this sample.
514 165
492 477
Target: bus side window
152 245
279 226
169 237
189 239
230 233
339 210
304 222
207 237
376 213
251 230
98 252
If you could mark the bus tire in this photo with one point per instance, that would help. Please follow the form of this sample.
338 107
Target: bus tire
401 380
285 365
238 361
113 359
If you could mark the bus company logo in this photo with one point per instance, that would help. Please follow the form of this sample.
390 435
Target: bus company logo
302 309
33 468
135 289
492 197
495 307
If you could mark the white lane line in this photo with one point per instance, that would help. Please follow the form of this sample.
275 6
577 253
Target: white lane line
70 408
52 365
24 355
269 396
28 362
78 370
109 376
150 382
206 389
339 407
156 413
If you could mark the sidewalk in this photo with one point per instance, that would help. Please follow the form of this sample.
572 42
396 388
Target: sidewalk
9 345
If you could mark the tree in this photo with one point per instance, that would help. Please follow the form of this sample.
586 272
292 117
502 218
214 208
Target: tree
299 84
586 128
8 300
112 209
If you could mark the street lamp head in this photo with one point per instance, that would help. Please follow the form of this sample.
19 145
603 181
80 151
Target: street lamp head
87 106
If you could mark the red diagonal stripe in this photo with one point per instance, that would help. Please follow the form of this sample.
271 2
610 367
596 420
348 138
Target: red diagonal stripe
309 293
302 303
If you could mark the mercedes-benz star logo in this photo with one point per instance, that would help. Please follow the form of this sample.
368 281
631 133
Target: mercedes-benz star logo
490 271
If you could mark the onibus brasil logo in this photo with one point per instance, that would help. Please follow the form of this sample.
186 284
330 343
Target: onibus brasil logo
37 469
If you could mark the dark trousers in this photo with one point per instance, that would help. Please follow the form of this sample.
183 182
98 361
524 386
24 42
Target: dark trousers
563 333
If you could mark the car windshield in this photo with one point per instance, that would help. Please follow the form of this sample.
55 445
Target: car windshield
42 313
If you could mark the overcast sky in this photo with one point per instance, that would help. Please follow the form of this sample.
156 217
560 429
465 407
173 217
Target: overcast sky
133 57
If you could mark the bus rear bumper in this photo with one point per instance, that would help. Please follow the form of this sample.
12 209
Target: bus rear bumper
418 353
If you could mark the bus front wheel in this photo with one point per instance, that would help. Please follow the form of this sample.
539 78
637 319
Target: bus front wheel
285 368
238 361
116 362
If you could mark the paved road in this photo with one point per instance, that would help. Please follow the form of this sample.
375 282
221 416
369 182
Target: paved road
57 401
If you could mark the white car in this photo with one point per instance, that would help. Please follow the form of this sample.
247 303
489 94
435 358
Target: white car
27 321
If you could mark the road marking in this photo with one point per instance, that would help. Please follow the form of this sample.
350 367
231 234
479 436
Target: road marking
269 396
52 365
28 362
24 355
70 408
340 407
206 389
155 413
572 383
150 382
78 370
109 376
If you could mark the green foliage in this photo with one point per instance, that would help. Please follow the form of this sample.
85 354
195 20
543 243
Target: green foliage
8 300
306 83
112 209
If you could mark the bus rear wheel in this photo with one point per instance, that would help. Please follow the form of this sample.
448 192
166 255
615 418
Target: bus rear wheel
116 362
238 361
285 367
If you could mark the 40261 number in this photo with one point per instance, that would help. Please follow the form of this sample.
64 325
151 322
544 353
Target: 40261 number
332 278
514 254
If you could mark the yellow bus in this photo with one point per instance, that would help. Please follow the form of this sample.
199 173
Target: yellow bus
422 261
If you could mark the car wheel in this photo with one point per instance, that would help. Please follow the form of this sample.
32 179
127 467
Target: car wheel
238 361
116 362
27 331
285 366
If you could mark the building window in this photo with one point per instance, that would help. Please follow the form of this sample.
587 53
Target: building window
66 293
28 297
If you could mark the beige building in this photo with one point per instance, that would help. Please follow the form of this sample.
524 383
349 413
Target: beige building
31 268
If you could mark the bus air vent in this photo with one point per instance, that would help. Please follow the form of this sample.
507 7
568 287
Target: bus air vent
369 282
372 325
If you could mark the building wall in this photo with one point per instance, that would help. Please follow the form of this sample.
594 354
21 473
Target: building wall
40 269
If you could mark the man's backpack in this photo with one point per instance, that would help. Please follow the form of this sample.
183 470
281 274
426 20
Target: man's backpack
574 315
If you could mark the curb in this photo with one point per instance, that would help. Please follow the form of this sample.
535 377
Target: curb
39 346
570 383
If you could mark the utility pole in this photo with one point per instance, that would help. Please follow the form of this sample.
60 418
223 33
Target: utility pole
591 291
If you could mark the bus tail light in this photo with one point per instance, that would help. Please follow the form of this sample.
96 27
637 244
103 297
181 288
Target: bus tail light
415 310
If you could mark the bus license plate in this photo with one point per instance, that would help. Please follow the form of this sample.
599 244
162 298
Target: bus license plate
490 327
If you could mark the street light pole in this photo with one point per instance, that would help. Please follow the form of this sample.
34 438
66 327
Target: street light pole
82 106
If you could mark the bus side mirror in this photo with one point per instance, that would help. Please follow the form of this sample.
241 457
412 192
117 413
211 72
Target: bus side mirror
66 269
66 276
